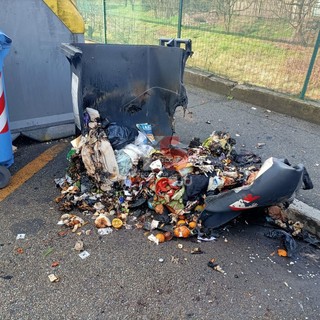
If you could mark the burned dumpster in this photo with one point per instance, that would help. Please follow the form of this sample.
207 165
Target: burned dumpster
129 84
126 170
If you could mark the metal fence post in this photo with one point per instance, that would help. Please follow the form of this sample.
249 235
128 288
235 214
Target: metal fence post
180 19
312 61
105 20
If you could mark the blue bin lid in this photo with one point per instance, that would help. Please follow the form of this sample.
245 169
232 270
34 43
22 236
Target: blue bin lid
5 41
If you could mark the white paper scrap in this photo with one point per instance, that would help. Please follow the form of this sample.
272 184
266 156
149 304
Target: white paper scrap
104 231
206 239
84 254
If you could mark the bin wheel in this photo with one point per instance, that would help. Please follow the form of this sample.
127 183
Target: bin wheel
5 176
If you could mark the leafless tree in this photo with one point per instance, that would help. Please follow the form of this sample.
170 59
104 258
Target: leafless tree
92 14
298 13
163 8
228 8
258 7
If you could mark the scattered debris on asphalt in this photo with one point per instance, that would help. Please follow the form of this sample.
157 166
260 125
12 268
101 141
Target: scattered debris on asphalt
259 145
20 250
63 233
48 251
84 254
79 246
53 278
8 277
196 251
135 181
104 231
215 266
174 260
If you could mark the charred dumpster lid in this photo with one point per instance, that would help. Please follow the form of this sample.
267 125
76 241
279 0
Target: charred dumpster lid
128 84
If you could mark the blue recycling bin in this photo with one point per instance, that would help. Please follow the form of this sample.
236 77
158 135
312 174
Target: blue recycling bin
6 154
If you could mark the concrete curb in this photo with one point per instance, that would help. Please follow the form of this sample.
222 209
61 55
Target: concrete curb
302 109
309 216
281 103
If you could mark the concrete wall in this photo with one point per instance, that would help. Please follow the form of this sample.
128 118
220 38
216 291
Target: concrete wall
37 73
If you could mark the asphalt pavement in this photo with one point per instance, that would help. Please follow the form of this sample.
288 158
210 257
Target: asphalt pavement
126 276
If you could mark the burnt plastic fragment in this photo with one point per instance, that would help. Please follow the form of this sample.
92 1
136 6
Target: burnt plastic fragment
307 182
287 240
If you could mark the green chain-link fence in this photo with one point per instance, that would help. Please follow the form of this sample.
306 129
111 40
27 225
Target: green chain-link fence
268 43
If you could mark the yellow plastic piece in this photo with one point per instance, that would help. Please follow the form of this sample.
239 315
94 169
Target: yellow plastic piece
67 12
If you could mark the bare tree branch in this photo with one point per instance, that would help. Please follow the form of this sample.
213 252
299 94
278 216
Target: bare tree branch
229 8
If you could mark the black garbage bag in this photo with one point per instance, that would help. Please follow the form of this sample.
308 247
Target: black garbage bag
246 158
119 136
196 186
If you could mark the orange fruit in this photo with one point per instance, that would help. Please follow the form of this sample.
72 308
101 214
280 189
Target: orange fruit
117 223
282 253
181 223
192 224
161 237
182 232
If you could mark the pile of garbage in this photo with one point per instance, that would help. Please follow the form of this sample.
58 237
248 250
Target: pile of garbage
124 177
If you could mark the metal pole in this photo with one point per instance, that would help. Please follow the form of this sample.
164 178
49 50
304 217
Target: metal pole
180 19
312 61
105 20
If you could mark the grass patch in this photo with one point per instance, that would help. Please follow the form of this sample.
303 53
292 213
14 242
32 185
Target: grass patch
245 57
